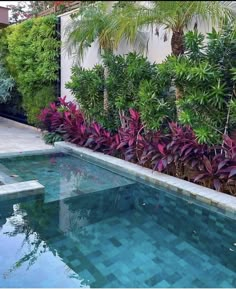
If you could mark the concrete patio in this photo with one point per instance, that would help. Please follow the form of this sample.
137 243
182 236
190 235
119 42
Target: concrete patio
17 137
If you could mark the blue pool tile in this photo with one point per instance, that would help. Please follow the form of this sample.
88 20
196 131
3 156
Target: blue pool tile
87 276
163 284
109 238
75 262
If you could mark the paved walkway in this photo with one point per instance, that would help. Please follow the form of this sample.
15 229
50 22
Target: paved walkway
16 137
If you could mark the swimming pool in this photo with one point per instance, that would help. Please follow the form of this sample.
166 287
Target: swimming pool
96 228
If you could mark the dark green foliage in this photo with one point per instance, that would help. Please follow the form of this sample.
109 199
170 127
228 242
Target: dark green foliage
194 45
14 105
125 75
30 51
3 45
87 86
51 137
205 77
156 97
35 102
124 78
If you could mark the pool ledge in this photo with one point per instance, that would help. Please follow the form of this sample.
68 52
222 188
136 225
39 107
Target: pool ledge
21 189
223 202
28 153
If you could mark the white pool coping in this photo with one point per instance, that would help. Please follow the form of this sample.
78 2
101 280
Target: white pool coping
223 202
27 153
20 189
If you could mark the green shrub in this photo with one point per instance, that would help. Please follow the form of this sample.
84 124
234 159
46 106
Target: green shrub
51 137
205 77
87 86
31 58
156 98
35 102
3 45
124 77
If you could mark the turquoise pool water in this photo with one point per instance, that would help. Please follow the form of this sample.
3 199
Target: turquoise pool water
94 228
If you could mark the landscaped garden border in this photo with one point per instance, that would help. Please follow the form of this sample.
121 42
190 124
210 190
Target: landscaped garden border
223 203
176 152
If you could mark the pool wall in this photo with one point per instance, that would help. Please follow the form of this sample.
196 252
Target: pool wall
223 203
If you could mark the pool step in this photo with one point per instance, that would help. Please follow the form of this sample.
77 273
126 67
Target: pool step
21 189
7 177
74 189
88 209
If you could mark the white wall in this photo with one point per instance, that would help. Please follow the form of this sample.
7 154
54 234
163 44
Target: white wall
157 52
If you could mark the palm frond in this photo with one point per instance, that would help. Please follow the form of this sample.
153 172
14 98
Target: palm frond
174 15
85 27
130 20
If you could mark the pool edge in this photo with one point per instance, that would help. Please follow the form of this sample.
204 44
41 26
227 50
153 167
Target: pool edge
28 153
224 203
21 189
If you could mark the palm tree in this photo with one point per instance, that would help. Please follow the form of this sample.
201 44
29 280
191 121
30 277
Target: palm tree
91 24
88 25
173 16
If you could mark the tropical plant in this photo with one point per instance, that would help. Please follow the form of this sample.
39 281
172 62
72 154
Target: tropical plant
205 75
31 58
88 25
129 136
173 16
66 120
6 85
52 137
102 140
176 152
125 76
87 87
126 72
156 102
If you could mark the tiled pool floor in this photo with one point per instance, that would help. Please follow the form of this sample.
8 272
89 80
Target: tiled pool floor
134 251
109 232
115 241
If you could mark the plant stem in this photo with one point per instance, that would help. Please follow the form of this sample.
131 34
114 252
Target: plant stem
106 97
227 120
137 141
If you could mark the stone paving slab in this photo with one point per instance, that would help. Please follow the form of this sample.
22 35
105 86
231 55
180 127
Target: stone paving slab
222 202
17 137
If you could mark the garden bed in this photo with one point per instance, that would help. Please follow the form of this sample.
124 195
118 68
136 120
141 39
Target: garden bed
176 152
